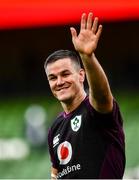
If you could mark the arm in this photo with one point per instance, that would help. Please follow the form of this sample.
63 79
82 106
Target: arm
85 43
53 173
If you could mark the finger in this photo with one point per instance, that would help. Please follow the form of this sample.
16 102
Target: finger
99 32
89 21
73 32
83 21
95 25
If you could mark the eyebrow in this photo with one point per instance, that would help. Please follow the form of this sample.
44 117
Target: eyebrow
64 71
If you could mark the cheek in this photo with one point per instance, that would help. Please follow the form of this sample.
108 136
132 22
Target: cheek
79 80
51 84
77 83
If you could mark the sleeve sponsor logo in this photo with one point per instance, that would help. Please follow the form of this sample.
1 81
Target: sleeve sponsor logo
56 140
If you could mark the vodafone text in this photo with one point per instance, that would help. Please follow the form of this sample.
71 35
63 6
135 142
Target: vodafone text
68 170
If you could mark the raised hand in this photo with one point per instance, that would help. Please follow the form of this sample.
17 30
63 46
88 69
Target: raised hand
87 40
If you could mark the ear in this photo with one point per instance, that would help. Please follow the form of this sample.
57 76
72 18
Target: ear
81 75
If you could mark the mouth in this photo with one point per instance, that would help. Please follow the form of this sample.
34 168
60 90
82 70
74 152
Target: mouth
63 88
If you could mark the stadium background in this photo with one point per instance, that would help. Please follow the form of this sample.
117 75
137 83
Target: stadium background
29 32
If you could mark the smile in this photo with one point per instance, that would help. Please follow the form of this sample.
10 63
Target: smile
62 88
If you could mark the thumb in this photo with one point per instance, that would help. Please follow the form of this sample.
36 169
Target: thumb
73 33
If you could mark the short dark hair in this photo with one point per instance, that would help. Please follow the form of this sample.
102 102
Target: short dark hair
61 54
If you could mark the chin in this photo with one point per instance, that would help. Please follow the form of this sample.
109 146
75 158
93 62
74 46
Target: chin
64 98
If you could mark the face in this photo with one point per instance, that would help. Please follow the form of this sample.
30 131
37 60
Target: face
65 79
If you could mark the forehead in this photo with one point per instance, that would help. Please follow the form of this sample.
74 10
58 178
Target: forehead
59 66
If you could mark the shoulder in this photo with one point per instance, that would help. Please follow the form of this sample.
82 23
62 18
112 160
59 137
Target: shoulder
57 120
110 119
115 107
54 126
114 114
103 104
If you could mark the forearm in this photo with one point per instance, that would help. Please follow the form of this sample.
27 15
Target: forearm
86 43
99 89
54 173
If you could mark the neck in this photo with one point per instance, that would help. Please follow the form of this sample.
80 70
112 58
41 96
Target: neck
73 104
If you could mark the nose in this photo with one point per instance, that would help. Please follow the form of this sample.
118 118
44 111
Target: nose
60 81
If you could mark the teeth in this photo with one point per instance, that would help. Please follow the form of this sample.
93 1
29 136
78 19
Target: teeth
62 88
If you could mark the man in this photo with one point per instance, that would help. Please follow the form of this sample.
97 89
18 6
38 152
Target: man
87 139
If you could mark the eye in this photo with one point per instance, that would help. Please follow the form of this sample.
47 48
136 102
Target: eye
66 74
52 78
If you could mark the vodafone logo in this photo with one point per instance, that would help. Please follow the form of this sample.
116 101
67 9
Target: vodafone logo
64 152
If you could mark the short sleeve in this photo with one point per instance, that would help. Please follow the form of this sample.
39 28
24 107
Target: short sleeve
108 120
50 147
111 124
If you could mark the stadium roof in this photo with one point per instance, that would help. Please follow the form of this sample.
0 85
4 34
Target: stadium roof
34 13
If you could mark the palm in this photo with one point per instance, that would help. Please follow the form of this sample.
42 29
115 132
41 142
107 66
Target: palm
87 40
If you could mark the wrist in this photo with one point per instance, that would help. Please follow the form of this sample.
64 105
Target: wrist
87 57
53 176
